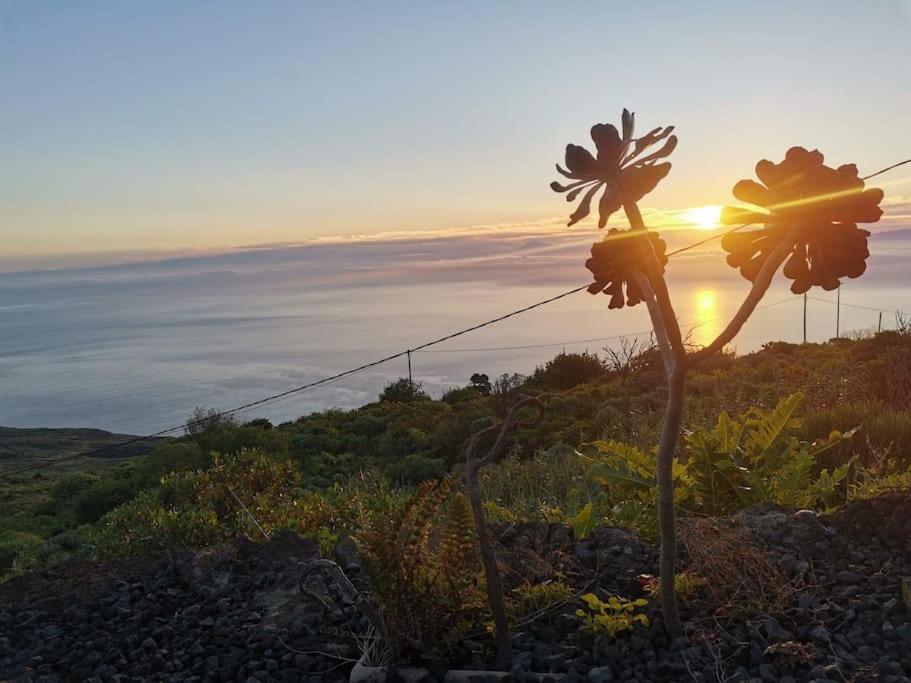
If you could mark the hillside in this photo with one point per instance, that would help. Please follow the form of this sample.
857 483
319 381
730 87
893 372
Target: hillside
19 447
822 427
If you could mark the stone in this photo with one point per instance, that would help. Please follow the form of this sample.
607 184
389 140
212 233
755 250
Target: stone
600 674
848 577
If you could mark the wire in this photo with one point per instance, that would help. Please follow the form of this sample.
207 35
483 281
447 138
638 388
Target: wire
707 240
887 168
866 308
295 390
365 366
745 225
691 324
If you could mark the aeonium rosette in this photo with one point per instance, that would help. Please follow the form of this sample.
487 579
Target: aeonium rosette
618 166
618 258
818 206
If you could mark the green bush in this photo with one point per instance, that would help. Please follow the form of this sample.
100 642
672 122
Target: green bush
240 494
884 432
568 370
12 543
415 469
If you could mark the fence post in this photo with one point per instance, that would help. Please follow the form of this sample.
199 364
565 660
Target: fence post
804 317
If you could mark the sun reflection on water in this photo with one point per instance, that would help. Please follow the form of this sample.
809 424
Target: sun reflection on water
707 325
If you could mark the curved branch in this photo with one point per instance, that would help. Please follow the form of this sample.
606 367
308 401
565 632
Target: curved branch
659 286
658 324
473 465
509 424
757 291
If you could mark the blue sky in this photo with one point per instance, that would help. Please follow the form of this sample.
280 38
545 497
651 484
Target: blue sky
172 125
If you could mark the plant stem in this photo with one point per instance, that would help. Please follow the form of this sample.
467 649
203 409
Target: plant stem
491 573
667 330
670 434
760 286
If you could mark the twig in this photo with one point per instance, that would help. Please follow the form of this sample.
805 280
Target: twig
241 503
319 653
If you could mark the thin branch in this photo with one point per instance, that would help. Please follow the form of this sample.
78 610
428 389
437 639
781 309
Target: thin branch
757 291
250 514
659 286
658 323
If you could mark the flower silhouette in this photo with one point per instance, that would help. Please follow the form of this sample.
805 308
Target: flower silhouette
618 258
822 204
618 167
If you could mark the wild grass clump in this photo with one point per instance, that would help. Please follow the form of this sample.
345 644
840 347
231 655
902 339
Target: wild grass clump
884 432
738 578
547 487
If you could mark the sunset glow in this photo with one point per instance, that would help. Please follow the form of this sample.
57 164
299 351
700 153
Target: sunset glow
706 324
704 217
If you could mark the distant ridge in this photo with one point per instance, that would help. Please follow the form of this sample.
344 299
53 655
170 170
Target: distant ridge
25 446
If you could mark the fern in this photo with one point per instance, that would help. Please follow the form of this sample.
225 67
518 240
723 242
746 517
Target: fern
422 565
735 464
766 427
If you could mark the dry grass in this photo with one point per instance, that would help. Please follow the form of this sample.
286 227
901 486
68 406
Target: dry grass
740 578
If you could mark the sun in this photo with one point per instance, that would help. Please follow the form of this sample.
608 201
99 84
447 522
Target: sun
703 217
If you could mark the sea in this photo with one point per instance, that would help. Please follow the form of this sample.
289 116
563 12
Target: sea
134 347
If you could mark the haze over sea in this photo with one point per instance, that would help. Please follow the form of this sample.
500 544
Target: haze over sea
133 347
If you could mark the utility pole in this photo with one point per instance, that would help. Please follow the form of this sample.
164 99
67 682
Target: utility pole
879 328
804 317
410 382
838 312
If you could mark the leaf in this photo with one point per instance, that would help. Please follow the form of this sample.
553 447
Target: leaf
661 153
728 433
583 522
767 427
621 473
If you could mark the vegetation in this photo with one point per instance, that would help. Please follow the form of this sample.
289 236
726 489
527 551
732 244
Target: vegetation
421 555
800 425
364 458
805 218
612 616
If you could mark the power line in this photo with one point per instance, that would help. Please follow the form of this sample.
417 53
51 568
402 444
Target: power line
746 225
866 308
693 324
365 366
887 168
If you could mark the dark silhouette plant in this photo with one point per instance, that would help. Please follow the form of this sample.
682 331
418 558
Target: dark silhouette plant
474 462
808 214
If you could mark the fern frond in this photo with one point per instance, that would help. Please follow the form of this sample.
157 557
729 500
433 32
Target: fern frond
767 426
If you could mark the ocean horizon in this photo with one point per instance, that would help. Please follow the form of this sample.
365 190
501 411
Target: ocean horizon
134 347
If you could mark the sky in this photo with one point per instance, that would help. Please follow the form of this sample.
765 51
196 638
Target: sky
166 127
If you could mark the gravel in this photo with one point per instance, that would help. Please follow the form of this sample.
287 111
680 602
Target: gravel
277 612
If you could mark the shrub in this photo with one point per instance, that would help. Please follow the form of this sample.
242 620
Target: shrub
567 370
102 496
12 543
245 494
529 599
416 469
403 391
883 430
204 419
734 465
424 571
611 617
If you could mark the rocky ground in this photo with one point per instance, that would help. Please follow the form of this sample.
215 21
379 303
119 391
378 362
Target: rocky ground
276 611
